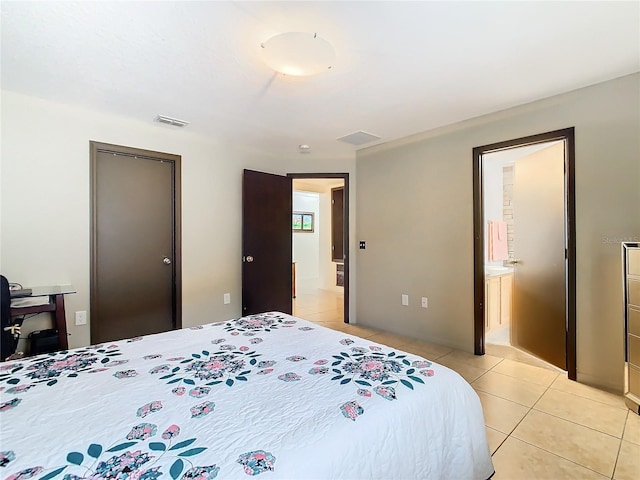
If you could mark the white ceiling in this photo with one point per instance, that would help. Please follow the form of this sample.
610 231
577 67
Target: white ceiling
316 184
511 155
401 67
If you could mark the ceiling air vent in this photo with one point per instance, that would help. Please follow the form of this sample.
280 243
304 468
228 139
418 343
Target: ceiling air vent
171 121
359 138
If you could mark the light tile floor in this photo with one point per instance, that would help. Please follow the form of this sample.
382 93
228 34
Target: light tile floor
540 425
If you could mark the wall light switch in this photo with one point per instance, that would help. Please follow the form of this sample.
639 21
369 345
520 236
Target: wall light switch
425 302
81 317
405 299
227 298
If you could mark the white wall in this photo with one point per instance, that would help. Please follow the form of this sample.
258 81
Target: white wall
306 245
420 232
45 196
492 198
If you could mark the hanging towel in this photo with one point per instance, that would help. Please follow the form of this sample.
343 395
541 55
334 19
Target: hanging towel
497 241
502 231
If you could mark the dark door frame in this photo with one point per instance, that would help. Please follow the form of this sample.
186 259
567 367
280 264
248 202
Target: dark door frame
345 178
175 160
568 135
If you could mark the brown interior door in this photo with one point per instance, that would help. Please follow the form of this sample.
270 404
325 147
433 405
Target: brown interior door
134 260
539 295
337 224
266 243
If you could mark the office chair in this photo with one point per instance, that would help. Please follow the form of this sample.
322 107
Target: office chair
10 331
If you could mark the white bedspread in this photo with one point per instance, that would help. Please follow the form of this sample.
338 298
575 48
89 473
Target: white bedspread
269 395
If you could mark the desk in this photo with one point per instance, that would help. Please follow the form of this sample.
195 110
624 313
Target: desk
55 305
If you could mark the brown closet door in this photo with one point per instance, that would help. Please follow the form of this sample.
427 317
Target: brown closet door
134 247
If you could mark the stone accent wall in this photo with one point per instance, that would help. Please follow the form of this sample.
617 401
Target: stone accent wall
507 205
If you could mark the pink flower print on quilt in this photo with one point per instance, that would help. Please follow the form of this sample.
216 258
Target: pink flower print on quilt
171 432
296 358
289 377
257 462
351 410
6 457
202 409
199 392
26 473
266 363
14 402
201 473
421 364
149 408
179 391
319 370
20 388
142 431
388 393
159 369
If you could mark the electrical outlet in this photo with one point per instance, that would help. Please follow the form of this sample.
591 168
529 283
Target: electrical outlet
425 302
405 299
81 317
227 298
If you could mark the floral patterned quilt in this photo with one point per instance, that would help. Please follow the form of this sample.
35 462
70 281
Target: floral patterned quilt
267 395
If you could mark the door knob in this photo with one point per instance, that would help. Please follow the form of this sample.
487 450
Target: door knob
249 258
515 261
166 261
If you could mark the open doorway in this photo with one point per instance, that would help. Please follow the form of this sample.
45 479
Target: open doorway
524 248
320 247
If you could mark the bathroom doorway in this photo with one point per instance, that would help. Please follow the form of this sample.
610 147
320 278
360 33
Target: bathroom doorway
320 249
524 247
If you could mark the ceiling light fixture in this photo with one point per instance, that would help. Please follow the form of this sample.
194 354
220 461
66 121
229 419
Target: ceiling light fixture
304 148
298 53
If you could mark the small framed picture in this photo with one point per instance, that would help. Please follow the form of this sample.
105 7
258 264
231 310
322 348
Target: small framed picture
303 222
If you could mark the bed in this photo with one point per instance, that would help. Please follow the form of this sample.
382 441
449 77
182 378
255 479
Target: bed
269 395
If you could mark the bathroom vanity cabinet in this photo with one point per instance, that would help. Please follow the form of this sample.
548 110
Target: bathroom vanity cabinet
631 289
498 293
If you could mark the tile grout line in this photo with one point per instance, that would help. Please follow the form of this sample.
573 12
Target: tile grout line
615 465
576 423
587 398
560 456
521 420
544 449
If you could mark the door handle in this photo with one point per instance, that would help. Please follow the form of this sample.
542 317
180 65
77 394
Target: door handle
166 261
515 261
248 259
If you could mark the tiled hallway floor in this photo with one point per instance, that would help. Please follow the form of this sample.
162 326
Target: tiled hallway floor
539 424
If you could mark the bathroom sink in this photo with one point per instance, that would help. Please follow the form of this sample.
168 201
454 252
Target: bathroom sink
493 269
